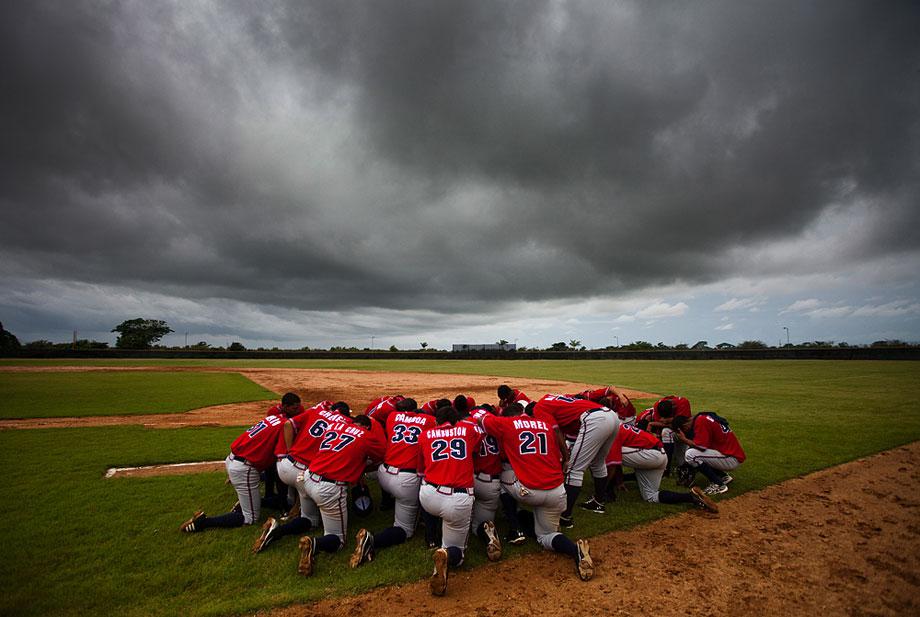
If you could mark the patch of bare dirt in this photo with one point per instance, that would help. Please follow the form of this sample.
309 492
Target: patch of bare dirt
843 541
358 388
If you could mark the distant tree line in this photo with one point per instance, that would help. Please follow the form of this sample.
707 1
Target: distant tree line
143 333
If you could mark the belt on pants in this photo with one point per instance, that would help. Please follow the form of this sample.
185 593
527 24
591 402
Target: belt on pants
318 478
395 470
295 462
240 459
448 490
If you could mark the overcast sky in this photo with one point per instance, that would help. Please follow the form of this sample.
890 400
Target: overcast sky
320 173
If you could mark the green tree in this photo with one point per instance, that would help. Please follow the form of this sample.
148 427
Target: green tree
8 341
423 345
560 346
236 347
752 345
574 344
501 344
140 333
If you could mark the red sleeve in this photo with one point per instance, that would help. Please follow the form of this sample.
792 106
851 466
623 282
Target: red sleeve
615 456
378 442
702 432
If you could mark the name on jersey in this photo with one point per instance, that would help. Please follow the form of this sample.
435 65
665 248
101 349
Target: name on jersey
411 419
333 416
531 424
348 429
457 431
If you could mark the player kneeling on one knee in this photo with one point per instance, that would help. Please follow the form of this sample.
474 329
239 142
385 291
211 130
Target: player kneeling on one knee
446 463
250 454
531 447
713 449
644 452
398 476
341 459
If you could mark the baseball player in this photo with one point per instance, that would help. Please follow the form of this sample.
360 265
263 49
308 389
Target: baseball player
433 405
507 395
613 399
276 493
380 409
595 426
446 462
713 448
644 452
487 486
657 419
250 454
398 475
303 433
383 406
532 449
341 459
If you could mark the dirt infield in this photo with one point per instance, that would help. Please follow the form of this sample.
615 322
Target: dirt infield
843 541
358 388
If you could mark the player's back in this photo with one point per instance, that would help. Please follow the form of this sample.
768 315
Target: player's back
446 454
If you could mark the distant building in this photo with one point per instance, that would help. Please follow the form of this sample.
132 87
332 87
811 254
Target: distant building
486 347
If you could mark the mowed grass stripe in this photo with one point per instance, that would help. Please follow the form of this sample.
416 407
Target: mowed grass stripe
100 393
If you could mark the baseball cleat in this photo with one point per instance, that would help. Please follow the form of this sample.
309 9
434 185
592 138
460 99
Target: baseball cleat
566 522
516 537
236 507
727 479
191 525
593 505
583 562
438 582
702 501
307 555
267 535
293 513
364 551
715 489
494 547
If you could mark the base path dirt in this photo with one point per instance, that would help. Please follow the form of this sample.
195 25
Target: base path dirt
843 541
358 388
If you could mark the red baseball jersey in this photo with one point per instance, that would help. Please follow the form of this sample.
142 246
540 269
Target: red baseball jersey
565 411
430 407
446 454
680 404
516 397
403 432
711 434
488 458
257 443
381 408
345 448
307 441
530 445
631 437
298 422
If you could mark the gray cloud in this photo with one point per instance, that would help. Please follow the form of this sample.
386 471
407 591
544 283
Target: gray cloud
456 157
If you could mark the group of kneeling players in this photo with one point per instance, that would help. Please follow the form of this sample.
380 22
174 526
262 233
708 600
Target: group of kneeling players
461 461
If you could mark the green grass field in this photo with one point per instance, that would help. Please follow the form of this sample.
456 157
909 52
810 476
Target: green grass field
103 393
75 543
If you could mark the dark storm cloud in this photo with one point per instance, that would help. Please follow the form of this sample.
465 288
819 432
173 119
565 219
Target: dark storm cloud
337 155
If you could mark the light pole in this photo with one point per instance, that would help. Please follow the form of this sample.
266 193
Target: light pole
787 334
617 339
372 341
